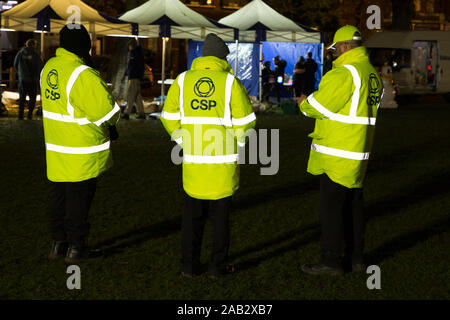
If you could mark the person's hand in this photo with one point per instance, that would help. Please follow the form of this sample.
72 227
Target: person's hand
113 134
300 99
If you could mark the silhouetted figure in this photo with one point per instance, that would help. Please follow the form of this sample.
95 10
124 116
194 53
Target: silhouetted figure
28 65
328 62
135 73
310 71
280 65
267 81
299 77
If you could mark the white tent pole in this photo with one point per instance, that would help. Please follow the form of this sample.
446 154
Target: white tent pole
260 72
163 69
42 45
236 58
322 60
1 69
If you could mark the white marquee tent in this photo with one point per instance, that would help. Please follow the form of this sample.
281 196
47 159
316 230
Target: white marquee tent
53 15
257 21
173 19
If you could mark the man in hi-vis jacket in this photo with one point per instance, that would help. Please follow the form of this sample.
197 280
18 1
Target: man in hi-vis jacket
79 123
345 108
207 112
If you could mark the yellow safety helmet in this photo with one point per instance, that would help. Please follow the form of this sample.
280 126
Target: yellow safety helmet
346 33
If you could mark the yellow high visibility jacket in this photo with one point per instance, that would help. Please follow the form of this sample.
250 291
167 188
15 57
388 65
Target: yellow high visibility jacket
77 108
208 111
345 107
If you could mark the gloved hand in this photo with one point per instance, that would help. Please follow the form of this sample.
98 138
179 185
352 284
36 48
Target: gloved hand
113 134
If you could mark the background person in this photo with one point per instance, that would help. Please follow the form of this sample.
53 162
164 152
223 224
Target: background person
267 81
28 65
310 74
79 115
328 62
135 72
210 177
341 146
299 77
280 66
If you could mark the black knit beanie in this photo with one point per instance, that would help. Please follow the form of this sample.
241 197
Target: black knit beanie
214 46
75 39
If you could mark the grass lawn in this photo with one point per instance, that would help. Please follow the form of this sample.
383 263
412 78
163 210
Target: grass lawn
136 217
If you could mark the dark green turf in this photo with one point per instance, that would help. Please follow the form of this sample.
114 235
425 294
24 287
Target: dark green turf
136 214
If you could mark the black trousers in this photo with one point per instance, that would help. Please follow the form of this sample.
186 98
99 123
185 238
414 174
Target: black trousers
298 90
27 88
343 222
70 205
196 212
266 88
309 86
278 87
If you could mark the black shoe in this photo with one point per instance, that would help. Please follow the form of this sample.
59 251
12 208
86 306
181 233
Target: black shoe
191 272
76 254
126 117
59 249
321 269
188 274
220 273
359 267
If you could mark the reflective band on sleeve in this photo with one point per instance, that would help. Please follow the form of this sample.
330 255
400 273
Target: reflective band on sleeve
339 117
79 150
64 118
357 83
381 98
340 153
179 140
73 77
170 115
181 85
243 121
108 116
241 144
210 159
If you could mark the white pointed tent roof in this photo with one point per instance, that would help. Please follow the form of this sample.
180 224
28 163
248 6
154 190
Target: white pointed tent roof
257 15
52 15
175 19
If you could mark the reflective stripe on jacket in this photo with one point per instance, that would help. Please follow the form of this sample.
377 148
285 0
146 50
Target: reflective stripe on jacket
207 111
77 108
345 107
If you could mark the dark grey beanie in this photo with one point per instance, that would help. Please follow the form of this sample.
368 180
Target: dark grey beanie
214 46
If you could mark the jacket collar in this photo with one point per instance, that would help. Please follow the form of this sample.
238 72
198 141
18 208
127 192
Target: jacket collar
61 52
355 55
211 63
